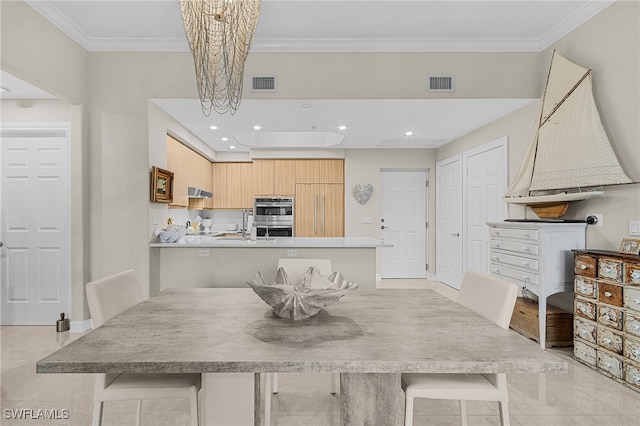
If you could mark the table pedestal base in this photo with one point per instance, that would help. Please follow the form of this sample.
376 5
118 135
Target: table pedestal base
371 399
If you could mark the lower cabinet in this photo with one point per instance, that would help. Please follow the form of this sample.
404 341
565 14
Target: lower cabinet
319 210
606 332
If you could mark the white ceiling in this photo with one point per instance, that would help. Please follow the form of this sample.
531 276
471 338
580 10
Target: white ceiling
332 25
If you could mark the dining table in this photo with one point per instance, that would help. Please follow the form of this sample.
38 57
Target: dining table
232 337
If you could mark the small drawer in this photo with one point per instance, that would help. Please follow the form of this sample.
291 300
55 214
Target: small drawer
526 278
585 265
508 259
632 299
610 364
584 353
610 268
585 309
585 330
521 234
610 294
514 246
632 324
632 273
610 317
585 287
632 349
609 340
632 374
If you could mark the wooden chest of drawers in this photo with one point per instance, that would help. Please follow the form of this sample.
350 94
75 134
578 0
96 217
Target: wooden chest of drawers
607 314
559 331
536 256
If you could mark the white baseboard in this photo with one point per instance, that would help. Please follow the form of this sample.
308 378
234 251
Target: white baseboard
432 277
80 326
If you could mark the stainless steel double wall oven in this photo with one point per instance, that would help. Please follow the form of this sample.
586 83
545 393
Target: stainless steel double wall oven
273 216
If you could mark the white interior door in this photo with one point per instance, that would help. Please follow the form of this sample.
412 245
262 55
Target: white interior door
485 182
449 221
404 222
35 260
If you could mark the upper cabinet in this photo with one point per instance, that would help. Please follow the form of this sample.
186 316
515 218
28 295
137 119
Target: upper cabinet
319 171
190 169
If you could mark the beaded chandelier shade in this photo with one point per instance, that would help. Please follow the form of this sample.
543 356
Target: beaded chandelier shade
220 33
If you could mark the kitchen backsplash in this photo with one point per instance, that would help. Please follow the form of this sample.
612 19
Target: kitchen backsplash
221 218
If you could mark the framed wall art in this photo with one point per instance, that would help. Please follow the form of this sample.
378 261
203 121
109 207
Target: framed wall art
629 246
161 185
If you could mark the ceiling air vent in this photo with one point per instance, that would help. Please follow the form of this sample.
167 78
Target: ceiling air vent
440 83
263 84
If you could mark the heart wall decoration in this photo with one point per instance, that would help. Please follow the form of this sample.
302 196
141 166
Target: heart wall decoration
362 193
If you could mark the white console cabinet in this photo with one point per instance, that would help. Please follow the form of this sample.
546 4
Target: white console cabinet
537 256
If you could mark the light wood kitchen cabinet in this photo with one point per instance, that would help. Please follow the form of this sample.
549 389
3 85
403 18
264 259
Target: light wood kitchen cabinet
199 175
262 177
319 210
177 162
284 182
189 169
219 185
239 186
319 171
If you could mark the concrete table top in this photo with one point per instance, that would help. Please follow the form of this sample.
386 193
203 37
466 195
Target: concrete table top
210 330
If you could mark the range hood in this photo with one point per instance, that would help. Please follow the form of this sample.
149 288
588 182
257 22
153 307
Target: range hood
194 192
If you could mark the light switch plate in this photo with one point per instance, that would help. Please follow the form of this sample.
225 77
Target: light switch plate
634 227
203 253
292 253
366 219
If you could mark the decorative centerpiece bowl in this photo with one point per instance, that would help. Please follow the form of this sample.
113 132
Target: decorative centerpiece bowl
304 299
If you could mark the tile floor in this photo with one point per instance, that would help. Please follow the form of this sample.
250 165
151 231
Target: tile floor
581 397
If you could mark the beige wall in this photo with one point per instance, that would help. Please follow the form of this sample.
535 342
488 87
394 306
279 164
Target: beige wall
363 166
610 45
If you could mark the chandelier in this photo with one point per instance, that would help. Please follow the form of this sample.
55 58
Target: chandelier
220 34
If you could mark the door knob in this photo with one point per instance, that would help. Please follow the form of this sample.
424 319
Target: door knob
457 234
384 227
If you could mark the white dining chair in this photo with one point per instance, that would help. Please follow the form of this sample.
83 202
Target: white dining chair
494 299
295 269
107 297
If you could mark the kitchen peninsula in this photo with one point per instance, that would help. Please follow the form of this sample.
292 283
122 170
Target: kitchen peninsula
222 262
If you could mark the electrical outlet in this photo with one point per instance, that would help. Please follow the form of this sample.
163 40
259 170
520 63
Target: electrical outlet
203 253
634 227
598 217
292 253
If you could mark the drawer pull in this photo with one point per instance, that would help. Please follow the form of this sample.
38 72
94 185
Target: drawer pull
636 301
525 234
636 352
583 309
636 326
607 341
496 258
584 288
496 245
609 364
525 249
583 267
607 269
635 276
606 317
525 278
636 380
525 264
608 293
583 331
584 353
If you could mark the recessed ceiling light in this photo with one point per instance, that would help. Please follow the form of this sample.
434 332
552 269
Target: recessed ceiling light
342 127
225 139
232 147
256 127
306 105
409 133
213 127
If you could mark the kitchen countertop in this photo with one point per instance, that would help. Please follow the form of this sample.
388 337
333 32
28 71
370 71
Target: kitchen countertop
221 240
